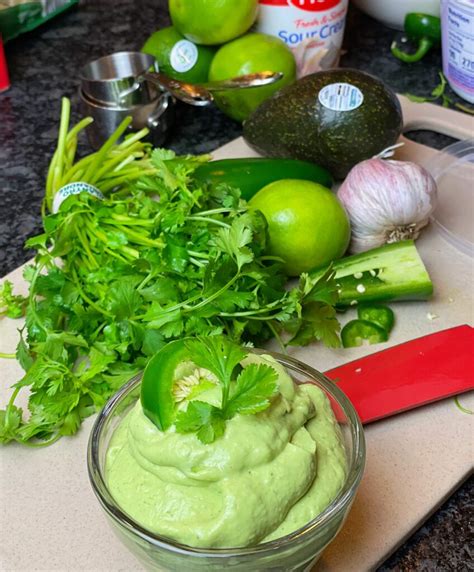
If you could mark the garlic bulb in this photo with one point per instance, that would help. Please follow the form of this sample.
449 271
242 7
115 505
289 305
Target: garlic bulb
387 201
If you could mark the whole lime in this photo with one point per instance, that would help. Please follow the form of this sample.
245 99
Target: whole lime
178 57
250 54
212 22
307 225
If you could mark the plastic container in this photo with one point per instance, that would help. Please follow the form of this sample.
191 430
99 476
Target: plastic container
296 552
457 38
453 171
314 30
392 12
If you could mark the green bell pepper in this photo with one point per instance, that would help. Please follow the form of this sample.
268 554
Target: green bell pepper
160 374
423 28
356 332
252 174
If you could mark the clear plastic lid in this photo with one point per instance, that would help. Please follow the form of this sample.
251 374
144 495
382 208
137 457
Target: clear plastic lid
453 171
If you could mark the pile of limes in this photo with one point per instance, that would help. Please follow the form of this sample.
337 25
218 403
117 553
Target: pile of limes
210 40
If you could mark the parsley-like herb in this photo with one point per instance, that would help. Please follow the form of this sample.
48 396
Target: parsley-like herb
114 280
247 393
11 305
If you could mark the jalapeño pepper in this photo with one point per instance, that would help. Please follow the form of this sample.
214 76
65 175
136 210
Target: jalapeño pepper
160 374
356 332
378 314
423 28
250 175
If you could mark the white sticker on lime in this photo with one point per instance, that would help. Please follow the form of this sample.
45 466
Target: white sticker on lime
183 56
341 97
74 189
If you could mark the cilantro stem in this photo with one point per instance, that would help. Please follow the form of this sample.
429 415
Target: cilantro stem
119 160
116 255
197 262
45 443
83 123
272 328
220 211
132 138
126 161
7 356
216 294
145 281
170 308
77 171
85 297
105 187
250 314
140 239
9 406
131 251
198 254
83 241
58 166
32 300
208 220
98 158
124 219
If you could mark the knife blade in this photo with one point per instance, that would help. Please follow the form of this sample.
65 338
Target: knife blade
409 375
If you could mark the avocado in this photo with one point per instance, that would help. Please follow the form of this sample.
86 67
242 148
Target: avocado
335 118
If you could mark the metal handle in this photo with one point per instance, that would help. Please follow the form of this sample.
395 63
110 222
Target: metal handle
189 93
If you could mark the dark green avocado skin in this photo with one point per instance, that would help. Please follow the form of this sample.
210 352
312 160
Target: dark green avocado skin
294 124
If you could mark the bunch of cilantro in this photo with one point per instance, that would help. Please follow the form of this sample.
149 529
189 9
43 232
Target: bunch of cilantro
116 279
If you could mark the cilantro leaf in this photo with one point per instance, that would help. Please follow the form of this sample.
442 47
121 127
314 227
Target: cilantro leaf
10 422
23 355
203 419
252 391
319 322
220 356
234 240
123 298
11 305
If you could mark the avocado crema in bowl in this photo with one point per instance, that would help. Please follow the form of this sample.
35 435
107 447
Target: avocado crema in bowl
252 470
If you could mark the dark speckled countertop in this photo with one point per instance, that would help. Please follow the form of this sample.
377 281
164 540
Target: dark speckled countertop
44 66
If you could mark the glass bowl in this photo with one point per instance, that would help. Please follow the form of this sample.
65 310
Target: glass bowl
295 552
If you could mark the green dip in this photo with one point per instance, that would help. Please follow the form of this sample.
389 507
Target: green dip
270 474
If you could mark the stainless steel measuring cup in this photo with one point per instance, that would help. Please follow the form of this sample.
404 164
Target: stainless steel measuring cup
117 79
157 115
113 87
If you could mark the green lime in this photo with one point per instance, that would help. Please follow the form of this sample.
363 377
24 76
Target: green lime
307 225
212 21
250 54
178 57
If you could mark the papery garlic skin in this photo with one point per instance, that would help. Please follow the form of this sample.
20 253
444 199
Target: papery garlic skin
387 201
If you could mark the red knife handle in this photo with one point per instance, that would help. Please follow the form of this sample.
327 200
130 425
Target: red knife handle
408 375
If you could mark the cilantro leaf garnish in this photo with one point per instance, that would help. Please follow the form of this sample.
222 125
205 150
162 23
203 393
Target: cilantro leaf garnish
253 388
245 391
219 356
203 419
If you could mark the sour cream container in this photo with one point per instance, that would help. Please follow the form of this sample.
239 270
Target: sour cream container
457 35
313 29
